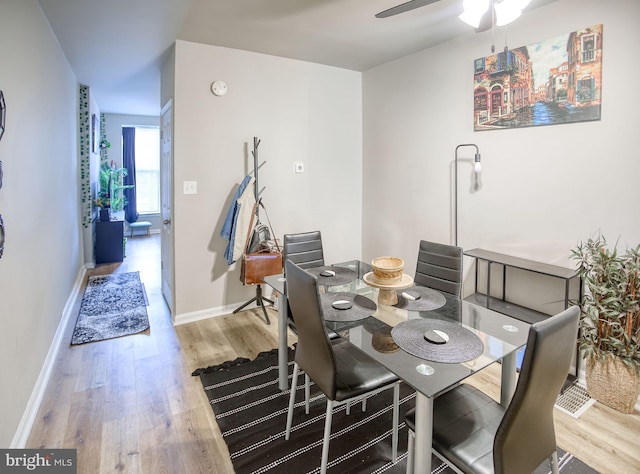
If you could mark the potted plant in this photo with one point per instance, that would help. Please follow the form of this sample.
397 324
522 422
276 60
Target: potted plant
610 321
110 196
103 199
118 199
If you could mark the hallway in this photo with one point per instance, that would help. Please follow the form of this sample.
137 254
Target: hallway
130 404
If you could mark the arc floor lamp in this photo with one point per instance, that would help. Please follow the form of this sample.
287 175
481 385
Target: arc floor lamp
477 167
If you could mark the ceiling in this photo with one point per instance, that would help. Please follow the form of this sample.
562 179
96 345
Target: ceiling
117 47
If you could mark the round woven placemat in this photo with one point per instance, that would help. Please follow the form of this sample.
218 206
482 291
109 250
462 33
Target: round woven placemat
428 300
361 308
342 275
463 345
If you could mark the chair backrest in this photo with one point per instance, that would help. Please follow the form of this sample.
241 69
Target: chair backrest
314 353
439 267
526 437
304 249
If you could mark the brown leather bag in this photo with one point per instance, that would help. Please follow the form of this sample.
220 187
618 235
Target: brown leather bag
265 262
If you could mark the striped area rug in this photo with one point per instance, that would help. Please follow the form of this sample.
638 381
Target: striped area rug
251 412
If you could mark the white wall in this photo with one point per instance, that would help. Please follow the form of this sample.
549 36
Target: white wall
542 188
39 202
302 112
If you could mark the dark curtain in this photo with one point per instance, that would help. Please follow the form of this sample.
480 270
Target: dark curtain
129 162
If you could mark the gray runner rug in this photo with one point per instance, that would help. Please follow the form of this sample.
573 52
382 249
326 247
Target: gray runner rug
251 412
112 306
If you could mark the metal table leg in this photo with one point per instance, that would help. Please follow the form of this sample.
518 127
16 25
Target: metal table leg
488 283
283 349
424 434
504 282
508 379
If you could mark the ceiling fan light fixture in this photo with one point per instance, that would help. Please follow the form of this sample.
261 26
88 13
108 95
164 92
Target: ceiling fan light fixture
506 11
473 11
521 4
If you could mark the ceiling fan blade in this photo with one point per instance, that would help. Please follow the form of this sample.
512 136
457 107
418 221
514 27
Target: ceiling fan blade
405 7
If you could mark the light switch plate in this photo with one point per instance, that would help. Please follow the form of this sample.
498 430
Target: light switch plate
190 187
298 167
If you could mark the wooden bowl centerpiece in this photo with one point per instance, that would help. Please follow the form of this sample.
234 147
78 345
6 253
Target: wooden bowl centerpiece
387 270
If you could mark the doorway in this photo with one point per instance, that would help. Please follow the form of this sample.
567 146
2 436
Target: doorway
152 139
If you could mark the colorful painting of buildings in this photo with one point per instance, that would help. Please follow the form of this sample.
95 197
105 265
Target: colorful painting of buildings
551 82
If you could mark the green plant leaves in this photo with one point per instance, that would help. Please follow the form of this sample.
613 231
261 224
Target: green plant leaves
111 187
610 322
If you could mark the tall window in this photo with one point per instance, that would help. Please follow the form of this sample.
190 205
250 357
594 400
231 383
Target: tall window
148 170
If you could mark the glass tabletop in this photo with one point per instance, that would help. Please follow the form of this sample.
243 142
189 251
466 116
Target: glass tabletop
501 335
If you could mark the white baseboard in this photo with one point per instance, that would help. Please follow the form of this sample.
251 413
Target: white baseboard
31 411
206 314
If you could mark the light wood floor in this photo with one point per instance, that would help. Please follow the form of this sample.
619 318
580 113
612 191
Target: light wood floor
131 404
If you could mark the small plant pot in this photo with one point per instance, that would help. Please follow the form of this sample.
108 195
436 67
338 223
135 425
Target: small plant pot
105 214
613 383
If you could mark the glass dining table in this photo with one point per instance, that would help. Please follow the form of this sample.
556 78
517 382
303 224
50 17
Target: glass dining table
387 333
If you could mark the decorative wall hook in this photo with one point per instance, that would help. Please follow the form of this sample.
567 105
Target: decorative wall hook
3 114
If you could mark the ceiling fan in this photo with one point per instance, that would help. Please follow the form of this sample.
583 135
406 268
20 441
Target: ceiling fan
405 7
480 14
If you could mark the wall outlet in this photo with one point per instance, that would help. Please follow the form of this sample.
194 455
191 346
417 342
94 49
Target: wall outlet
190 187
298 167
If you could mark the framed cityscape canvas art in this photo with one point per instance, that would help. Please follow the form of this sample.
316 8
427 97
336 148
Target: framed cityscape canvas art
552 82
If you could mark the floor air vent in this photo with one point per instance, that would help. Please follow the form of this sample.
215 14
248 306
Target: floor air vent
574 401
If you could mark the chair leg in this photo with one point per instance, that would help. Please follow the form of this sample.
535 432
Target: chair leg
396 409
410 454
292 400
327 437
553 459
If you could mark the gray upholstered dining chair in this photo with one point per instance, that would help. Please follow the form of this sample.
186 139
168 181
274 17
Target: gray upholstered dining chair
304 249
343 373
478 435
439 267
